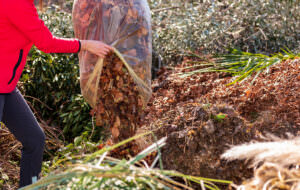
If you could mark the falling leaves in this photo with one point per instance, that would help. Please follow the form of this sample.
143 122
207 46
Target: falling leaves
119 104
115 130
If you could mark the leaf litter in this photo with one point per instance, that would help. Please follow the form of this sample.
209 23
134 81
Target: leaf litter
202 116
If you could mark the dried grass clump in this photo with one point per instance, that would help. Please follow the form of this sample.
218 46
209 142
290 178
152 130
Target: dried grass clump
277 160
10 156
280 151
9 151
272 177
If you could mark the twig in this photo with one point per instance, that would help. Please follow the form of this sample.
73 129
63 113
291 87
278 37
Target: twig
266 38
164 9
93 129
26 96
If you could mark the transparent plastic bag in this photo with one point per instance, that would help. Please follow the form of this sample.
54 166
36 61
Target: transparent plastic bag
123 24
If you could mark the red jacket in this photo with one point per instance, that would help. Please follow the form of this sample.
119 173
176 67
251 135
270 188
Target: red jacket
20 28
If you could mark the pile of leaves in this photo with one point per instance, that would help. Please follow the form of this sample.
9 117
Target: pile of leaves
271 101
202 115
197 136
120 105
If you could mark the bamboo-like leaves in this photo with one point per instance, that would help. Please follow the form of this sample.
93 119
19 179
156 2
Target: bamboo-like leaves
99 171
241 64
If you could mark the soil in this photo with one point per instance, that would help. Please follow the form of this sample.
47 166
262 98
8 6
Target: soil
202 116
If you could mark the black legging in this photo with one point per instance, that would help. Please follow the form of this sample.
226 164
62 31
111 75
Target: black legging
17 116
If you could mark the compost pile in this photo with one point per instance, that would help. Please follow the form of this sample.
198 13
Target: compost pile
202 116
271 102
118 87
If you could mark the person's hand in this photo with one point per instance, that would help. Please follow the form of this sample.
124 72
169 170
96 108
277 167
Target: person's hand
96 47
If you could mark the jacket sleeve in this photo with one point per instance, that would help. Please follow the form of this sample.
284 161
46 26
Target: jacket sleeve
23 15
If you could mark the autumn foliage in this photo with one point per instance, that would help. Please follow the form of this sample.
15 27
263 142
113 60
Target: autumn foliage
120 106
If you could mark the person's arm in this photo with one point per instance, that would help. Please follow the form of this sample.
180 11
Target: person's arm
23 15
96 47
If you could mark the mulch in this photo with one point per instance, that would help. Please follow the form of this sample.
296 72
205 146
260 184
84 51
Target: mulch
202 116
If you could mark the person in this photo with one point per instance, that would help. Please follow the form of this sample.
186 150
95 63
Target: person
20 28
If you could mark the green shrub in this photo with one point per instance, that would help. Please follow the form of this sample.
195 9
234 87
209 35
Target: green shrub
258 26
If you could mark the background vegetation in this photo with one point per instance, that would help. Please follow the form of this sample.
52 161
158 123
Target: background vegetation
213 26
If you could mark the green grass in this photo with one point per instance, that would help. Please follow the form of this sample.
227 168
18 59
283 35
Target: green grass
240 64
99 171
